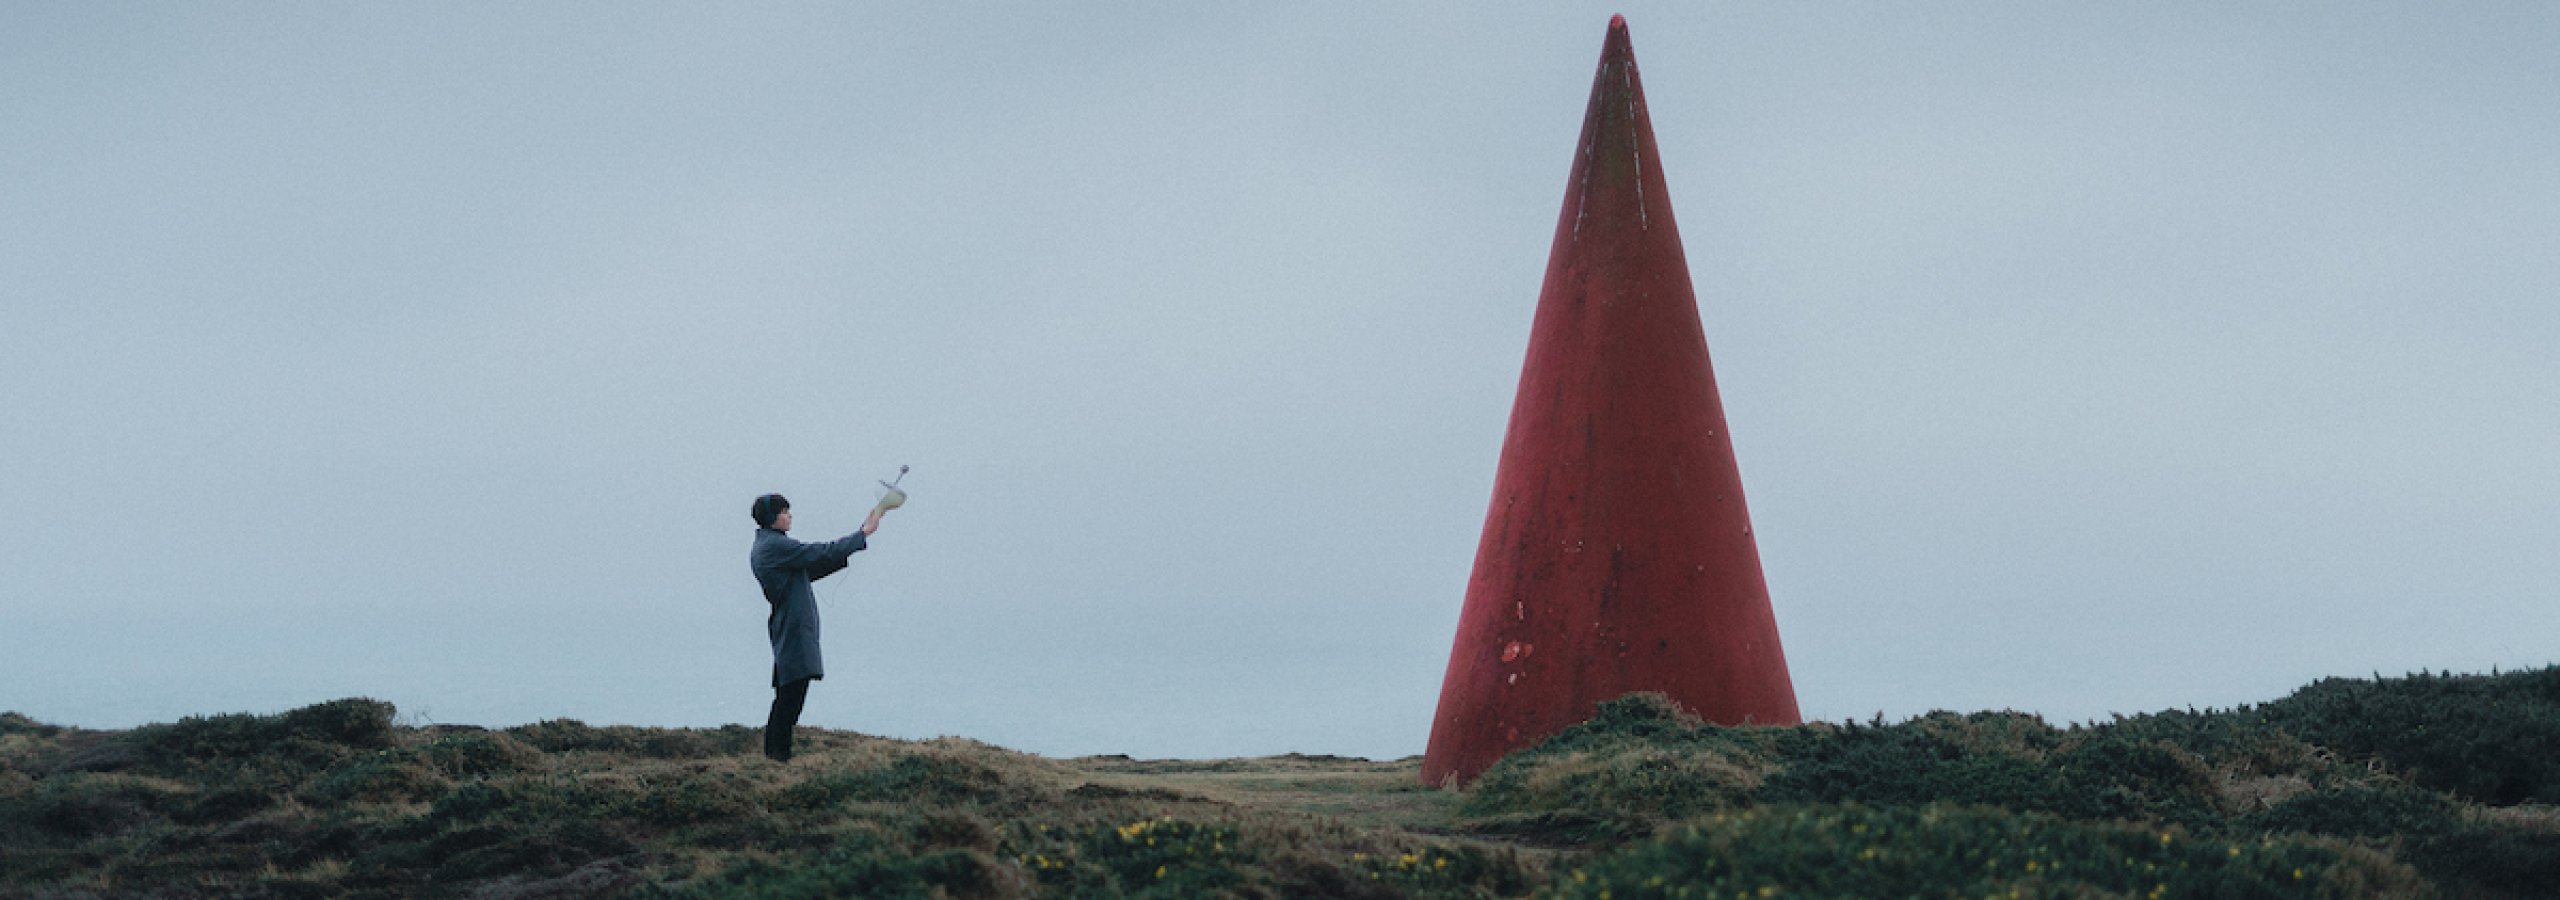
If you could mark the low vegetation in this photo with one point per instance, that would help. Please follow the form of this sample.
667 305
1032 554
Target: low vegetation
2429 785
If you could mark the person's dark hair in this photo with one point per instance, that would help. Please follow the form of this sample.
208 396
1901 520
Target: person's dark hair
767 507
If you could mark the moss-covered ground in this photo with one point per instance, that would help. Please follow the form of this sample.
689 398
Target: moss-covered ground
2428 785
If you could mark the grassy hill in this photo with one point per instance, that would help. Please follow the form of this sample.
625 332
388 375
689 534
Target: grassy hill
2429 785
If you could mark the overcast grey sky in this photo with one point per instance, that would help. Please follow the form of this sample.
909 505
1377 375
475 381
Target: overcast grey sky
2079 358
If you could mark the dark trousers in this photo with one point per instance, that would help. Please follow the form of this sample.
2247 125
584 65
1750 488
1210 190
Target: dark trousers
785 716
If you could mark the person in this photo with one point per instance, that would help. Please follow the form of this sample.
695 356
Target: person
784 567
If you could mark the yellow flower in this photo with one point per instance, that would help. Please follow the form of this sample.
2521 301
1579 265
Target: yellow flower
2297 874
1159 871
2235 851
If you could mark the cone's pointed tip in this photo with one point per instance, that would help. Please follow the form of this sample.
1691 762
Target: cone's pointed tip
1617 44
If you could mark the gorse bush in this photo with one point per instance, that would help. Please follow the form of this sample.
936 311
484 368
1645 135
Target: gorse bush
2469 853
380 777
2377 811
472 754
1151 857
1946 851
2491 739
1442 872
1639 761
1167 857
15 724
2090 775
355 723
2485 859
861 865
571 735
2237 775
421 772
926 777
90 804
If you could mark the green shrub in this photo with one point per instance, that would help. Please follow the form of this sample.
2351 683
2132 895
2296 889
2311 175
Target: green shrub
1442 872
384 777
2487 860
2359 811
862 865
524 799
428 849
2105 775
758 832
1639 761
889 876
1899 765
1159 857
925 777
950 829
2093 774
2429 831
226 803
28 864
2493 739
561 736
422 772
546 847
313 735
1946 851
1642 763
570 735
359 722
85 805
473 754
691 801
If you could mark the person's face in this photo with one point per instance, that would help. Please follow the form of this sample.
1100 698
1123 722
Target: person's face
782 521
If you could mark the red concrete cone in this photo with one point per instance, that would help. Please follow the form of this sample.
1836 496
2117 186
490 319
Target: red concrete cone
1617 555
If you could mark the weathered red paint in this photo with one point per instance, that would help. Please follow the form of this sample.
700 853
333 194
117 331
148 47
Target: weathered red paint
1617 555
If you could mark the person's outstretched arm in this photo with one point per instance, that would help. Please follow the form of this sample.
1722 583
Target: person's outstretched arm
792 554
832 565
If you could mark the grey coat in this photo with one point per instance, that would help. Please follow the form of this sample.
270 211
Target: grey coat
784 567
